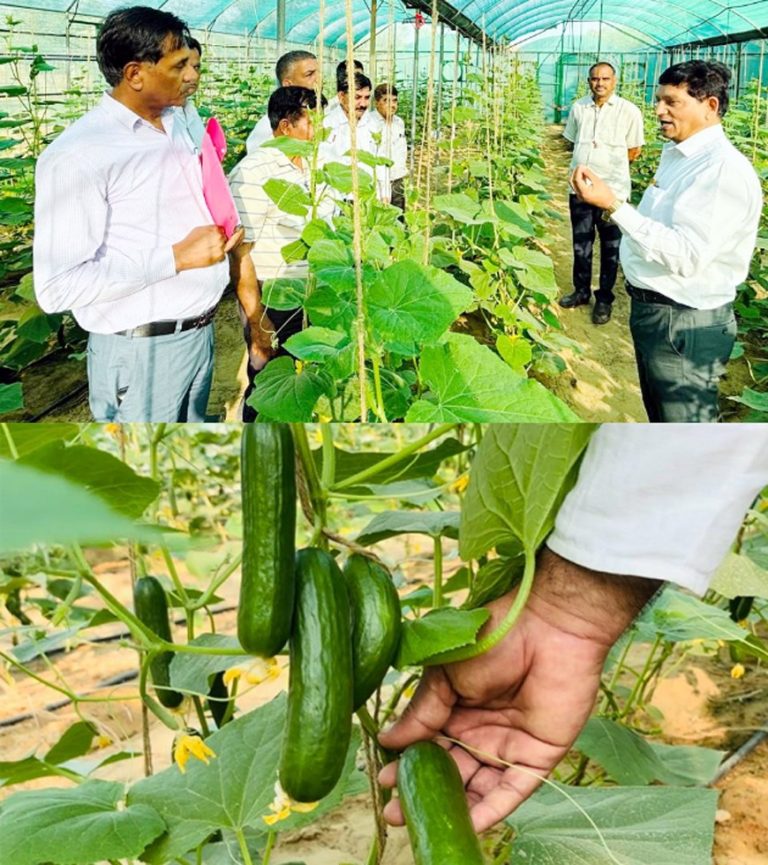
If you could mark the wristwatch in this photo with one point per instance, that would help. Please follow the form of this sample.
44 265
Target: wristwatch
612 208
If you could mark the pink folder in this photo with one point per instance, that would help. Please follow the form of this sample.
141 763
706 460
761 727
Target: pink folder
215 187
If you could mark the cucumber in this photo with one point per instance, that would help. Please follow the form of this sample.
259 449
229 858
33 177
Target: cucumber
218 699
267 583
376 621
151 606
435 807
319 721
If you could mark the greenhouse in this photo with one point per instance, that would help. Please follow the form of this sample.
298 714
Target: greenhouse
473 302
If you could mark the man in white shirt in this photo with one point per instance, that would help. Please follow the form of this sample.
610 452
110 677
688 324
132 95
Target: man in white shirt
294 69
687 246
336 146
392 142
268 229
123 236
606 132
651 504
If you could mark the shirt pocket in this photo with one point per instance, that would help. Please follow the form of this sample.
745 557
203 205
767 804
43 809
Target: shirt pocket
655 202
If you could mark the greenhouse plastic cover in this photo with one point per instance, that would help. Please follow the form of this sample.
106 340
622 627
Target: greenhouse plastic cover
646 23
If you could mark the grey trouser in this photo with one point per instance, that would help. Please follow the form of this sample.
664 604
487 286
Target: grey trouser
150 378
681 354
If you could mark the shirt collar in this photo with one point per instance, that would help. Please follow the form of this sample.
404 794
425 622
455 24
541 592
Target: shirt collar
611 100
700 140
130 119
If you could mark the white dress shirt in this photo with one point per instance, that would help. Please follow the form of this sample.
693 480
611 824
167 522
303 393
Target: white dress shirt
601 137
393 143
113 195
662 501
260 133
692 236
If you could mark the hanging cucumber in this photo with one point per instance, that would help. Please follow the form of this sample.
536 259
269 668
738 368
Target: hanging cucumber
319 721
218 699
376 621
151 606
435 807
267 584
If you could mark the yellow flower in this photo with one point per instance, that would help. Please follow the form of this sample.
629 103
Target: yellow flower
190 745
262 671
410 690
112 428
460 484
737 671
283 806
231 674
103 742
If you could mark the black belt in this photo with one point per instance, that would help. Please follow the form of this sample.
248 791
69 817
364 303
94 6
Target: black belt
645 295
163 328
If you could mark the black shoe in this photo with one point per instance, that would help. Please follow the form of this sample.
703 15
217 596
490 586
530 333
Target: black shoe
601 314
574 299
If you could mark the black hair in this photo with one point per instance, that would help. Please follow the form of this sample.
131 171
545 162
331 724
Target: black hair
195 45
361 82
289 103
601 63
702 78
341 71
283 65
137 34
383 90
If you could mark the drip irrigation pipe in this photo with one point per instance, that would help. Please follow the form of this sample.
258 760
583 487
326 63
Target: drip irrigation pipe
740 753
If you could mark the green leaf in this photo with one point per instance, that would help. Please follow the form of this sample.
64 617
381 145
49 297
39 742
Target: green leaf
234 791
280 394
438 631
740 576
753 399
494 579
316 229
514 219
75 826
638 825
191 672
332 307
74 742
11 398
290 146
631 760
294 251
460 207
333 264
284 293
317 343
289 197
423 465
468 382
35 325
30 437
516 351
26 288
537 273
339 176
98 472
49 509
390 523
12 90
678 617
520 476
410 303
415 492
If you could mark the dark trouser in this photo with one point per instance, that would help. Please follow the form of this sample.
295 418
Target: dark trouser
398 193
681 354
585 220
286 322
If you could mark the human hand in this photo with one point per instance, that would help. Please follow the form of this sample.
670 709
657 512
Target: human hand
234 242
260 339
590 188
525 701
202 247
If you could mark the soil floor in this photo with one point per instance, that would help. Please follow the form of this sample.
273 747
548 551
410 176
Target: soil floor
699 704
600 381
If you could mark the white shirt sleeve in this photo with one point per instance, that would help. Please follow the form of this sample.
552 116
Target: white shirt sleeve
704 216
663 502
570 132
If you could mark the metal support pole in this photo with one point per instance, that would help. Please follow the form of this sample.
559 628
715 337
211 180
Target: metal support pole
372 46
440 78
280 26
415 97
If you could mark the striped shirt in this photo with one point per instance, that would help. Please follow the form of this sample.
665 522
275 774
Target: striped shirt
267 226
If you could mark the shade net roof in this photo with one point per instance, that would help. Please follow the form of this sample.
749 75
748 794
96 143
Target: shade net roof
648 23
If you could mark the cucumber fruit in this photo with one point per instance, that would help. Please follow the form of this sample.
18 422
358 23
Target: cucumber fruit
151 606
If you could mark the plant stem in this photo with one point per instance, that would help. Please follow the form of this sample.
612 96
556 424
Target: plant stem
11 442
329 456
437 589
394 459
271 836
202 720
490 640
244 851
376 363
